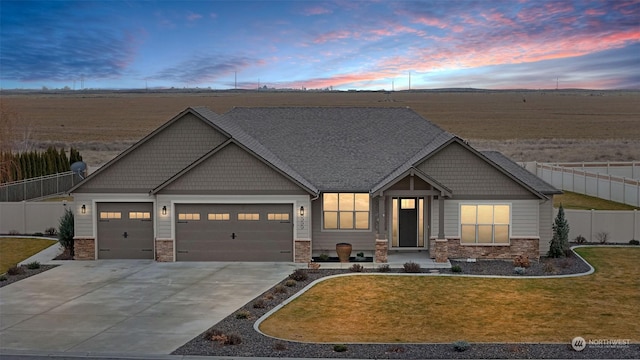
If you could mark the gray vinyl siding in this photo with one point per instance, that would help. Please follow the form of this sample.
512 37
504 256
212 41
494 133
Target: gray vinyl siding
232 169
82 223
325 241
546 225
524 217
163 222
466 174
158 158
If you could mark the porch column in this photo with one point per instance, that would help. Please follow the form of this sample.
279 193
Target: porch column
382 223
441 216
382 243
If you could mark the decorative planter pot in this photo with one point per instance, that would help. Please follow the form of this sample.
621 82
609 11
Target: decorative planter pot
344 251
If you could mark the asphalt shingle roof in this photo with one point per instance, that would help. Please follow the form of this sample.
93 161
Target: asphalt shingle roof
338 148
521 173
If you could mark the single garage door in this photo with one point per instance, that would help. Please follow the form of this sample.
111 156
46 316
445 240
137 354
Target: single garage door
239 232
125 230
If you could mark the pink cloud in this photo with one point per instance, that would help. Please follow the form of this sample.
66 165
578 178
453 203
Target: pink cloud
316 10
334 36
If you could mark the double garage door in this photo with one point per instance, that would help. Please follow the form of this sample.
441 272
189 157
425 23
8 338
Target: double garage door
234 232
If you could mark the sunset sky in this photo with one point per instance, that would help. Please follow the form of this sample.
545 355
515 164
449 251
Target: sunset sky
343 44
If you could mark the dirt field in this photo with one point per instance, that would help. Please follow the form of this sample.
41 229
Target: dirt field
526 125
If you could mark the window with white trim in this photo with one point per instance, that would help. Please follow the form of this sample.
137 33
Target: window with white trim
345 211
485 223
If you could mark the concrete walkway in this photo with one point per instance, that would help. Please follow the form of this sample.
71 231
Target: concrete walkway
126 306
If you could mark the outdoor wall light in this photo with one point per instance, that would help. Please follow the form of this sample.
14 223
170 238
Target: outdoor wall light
84 209
164 210
301 210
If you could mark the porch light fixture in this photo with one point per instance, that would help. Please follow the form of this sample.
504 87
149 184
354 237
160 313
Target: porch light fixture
84 209
164 210
301 210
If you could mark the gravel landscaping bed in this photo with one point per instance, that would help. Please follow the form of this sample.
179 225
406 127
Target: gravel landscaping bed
243 341
26 272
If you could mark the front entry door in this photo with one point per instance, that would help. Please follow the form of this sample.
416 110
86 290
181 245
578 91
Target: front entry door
408 222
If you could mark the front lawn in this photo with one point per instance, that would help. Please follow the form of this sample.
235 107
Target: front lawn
428 309
15 250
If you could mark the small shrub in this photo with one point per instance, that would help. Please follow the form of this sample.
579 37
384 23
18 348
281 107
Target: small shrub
268 296
14 232
356 268
521 261
411 267
259 304
384 268
290 283
66 231
461 346
51 231
243 314
548 268
279 346
298 275
280 289
38 234
580 239
340 348
212 333
323 257
3 278
602 237
33 265
519 270
222 338
456 269
634 242
233 339
15 270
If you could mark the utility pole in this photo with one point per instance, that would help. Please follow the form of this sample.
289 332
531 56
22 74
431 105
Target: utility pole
409 80
235 80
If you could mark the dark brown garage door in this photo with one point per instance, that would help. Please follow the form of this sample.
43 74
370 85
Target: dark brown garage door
223 232
125 230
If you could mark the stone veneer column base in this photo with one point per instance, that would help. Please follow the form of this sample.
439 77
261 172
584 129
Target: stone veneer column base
442 250
302 251
164 250
84 248
382 250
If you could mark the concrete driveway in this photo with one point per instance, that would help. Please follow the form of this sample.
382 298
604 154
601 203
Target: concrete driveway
127 306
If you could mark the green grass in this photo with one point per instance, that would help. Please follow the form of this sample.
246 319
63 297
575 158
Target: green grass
15 250
571 200
405 309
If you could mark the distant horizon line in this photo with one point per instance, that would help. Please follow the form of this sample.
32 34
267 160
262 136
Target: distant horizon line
208 89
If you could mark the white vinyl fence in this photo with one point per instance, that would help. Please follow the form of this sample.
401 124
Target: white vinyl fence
627 169
576 179
31 217
620 226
